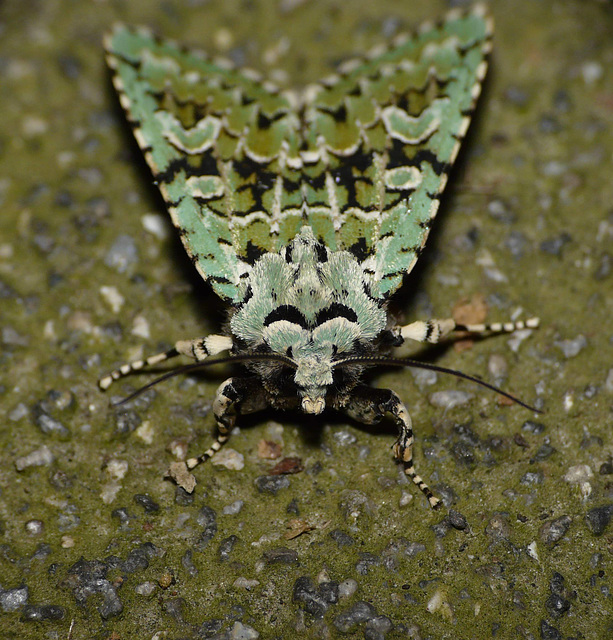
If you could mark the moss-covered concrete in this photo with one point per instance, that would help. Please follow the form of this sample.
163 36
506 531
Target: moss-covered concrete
86 281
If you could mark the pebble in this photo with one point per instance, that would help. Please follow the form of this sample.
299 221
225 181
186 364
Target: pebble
315 599
360 612
347 588
450 399
344 438
280 555
145 588
207 519
21 411
341 538
234 508
47 424
13 599
122 254
147 503
598 519
229 459
572 348
272 484
242 631
38 458
578 474
126 421
40 612
553 531
553 246
226 547
548 632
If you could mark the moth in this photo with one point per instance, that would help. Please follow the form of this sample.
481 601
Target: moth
304 209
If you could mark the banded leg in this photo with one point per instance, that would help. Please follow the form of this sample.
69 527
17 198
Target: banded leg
235 395
199 349
435 330
369 405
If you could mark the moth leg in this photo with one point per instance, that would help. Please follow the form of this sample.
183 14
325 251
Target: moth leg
235 395
435 330
199 349
369 405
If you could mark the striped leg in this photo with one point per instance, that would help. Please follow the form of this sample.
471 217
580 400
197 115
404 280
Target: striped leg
235 395
403 448
435 330
199 349
369 405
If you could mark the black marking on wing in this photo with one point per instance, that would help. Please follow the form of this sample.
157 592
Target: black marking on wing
322 253
336 310
253 252
286 312
360 250
339 113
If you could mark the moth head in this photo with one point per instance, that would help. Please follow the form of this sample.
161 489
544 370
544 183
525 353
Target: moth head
313 376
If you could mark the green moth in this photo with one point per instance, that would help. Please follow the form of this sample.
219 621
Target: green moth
305 209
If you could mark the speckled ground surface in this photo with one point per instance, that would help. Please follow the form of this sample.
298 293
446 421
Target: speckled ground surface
94 543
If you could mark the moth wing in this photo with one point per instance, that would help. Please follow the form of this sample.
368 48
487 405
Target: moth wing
389 127
198 122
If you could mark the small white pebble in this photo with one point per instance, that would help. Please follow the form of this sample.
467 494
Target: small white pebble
591 71
531 550
497 366
347 588
34 527
233 509
145 588
140 327
242 631
578 474
67 542
229 458
156 224
145 432
245 583
117 469
568 401
449 399
405 498
38 458
113 298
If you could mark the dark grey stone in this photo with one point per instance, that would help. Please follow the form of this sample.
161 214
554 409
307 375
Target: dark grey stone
280 555
554 530
41 612
341 538
598 518
360 612
272 484
147 503
207 519
226 546
548 632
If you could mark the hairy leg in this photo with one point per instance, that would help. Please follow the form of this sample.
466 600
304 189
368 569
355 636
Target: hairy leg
434 330
235 395
199 349
369 405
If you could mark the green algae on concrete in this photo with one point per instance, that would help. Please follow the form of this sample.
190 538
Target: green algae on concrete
90 271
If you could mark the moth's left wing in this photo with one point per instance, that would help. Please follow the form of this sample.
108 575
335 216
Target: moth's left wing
383 134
